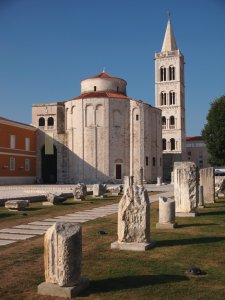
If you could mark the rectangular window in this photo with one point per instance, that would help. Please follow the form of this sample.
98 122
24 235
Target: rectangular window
137 117
27 144
146 160
153 161
27 165
12 164
12 141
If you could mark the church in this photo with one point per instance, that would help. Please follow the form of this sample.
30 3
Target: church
103 134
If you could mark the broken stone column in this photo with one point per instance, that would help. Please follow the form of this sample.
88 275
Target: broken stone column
53 199
207 180
134 220
62 261
140 177
166 213
186 188
17 204
80 191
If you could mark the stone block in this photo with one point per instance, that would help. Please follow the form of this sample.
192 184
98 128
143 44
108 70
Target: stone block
54 199
80 191
98 190
186 187
166 213
17 204
207 181
133 246
51 289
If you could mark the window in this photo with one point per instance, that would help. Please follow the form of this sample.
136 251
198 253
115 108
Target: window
164 144
95 88
189 153
41 122
163 98
172 97
171 73
146 160
163 122
163 74
50 122
153 161
137 117
12 164
12 141
172 122
172 144
27 165
27 144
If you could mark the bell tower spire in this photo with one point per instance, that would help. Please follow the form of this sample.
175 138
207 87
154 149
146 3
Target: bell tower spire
170 98
169 42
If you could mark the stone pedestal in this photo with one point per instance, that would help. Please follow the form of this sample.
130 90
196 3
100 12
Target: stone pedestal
62 261
134 220
185 188
166 213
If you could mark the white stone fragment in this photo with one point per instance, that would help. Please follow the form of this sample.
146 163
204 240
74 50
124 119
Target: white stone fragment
17 204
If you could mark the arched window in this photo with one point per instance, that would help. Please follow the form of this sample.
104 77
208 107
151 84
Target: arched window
163 98
162 73
171 73
172 122
172 144
163 122
41 122
50 121
164 144
172 97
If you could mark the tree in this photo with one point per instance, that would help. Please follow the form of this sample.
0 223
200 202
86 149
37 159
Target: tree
214 132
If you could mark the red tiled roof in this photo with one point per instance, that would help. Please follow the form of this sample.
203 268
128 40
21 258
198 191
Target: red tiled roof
103 75
101 95
8 120
194 138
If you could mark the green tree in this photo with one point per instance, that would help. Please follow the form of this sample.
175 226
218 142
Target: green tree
214 132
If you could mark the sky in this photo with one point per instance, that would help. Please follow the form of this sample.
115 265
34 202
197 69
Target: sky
48 46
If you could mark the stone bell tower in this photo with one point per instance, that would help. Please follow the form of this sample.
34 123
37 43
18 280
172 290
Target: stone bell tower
170 98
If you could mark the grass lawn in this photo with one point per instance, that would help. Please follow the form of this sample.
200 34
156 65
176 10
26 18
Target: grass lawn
155 274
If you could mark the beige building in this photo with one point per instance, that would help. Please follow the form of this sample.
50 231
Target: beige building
170 98
100 136
197 151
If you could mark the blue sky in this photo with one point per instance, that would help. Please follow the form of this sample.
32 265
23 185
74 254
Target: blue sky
48 46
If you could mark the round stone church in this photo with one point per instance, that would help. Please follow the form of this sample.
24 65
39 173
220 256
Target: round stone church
99 136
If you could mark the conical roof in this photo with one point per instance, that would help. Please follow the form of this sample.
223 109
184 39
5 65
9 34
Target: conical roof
169 43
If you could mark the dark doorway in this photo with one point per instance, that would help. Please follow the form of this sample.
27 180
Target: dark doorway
49 166
118 171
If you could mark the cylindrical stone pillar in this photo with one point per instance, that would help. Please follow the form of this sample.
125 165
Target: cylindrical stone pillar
201 197
166 213
159 181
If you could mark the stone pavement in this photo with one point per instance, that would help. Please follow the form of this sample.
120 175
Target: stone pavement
26 231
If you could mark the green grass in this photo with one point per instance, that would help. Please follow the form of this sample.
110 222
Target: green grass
155 274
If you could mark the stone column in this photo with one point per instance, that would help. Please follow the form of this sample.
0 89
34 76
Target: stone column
159 181
166 213
207 180
140 177
98 190
201 197
62 261
172 180
128 181
186 188
134 220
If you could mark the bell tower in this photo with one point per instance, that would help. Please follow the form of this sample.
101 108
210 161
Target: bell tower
170 98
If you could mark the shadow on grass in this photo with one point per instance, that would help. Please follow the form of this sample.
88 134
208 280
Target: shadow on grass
130 282
7 215
211 213
205 240
194 225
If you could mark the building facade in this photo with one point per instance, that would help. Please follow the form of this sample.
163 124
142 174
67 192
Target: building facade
17 152
100 136
170 98
197 151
